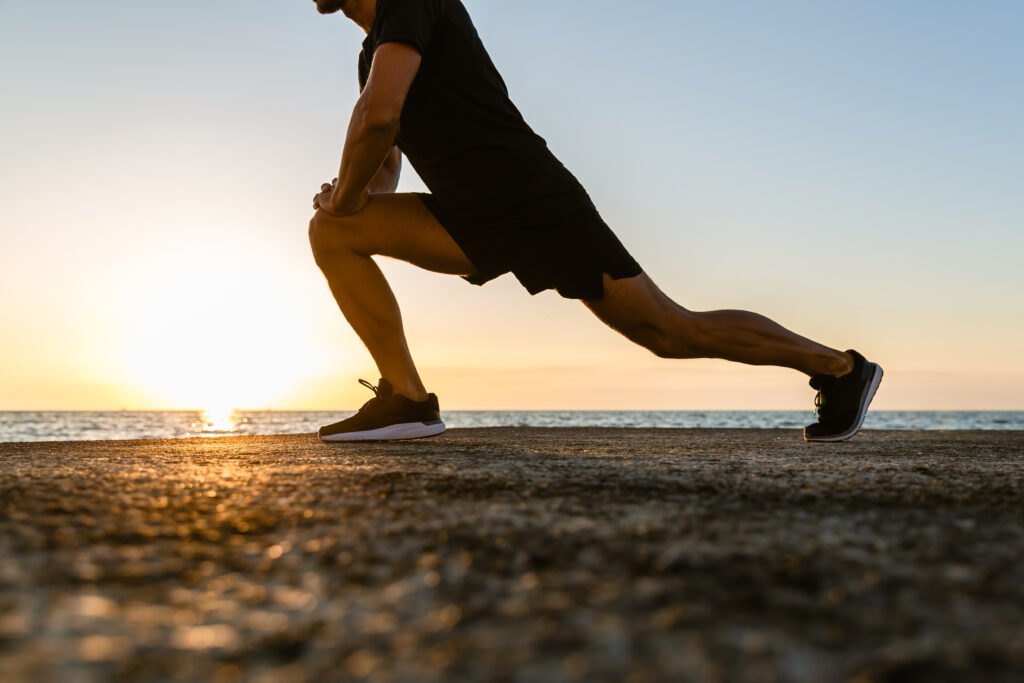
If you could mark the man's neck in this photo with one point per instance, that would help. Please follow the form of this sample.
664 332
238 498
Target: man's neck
363 13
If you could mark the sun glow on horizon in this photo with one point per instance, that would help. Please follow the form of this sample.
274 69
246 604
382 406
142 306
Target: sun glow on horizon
211 330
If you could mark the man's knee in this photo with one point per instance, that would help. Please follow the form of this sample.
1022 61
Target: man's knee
679 345
330 237
682 338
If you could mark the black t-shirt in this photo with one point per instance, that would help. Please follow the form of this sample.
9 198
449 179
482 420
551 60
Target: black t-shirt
459 129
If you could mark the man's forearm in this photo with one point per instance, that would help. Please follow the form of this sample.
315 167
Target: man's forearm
367 144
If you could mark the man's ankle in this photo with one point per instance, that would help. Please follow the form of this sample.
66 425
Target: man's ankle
412 393
843 365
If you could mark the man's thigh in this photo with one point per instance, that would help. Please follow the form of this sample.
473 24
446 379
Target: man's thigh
633 303
400 226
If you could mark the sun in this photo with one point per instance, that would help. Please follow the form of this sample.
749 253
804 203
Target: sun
216 334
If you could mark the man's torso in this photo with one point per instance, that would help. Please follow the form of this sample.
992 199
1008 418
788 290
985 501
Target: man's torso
459 129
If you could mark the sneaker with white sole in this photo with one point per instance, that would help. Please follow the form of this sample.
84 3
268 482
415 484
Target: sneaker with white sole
387 416
842 402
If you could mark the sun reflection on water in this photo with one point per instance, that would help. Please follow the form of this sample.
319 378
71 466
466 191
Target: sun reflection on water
219 421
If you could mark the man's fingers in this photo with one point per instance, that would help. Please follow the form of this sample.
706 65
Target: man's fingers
325 187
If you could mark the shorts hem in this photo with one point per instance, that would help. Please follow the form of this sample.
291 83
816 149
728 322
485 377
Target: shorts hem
572 262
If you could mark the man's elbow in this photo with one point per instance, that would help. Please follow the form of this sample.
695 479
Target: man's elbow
378 117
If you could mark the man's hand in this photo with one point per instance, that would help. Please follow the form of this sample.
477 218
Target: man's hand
324 201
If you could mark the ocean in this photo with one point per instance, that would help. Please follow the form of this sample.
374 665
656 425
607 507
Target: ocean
177 424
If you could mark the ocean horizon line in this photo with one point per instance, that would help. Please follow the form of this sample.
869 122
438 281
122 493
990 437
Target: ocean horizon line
78 425
509 410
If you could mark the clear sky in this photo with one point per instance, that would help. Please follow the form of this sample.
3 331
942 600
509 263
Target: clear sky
853 170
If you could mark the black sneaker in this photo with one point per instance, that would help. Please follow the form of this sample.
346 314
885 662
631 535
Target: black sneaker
842 402
387 416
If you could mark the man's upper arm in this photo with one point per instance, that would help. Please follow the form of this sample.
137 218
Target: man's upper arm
392 72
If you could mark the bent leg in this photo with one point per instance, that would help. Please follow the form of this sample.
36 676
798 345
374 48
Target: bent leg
640 311
395 225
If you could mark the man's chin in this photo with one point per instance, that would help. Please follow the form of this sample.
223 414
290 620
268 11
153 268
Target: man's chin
329 6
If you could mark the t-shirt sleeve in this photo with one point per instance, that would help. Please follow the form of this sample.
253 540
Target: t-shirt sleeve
409 21
364 71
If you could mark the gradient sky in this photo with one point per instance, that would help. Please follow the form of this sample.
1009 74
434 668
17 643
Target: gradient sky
853 170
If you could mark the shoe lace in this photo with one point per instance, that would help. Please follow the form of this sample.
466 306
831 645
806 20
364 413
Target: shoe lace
374 403
820 404
822 408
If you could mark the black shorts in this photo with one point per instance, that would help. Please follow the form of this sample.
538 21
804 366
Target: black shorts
567 249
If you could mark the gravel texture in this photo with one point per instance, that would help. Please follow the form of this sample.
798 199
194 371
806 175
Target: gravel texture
516 554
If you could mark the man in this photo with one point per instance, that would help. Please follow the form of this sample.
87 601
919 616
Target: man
500 202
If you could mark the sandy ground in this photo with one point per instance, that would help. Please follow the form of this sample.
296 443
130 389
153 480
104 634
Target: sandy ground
516 555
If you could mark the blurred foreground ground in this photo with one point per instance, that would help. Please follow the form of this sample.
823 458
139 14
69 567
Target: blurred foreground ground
516 555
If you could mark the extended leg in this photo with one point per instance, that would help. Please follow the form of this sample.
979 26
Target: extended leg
395 225
643 313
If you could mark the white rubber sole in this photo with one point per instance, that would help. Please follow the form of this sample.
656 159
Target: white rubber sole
869 393
406 430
